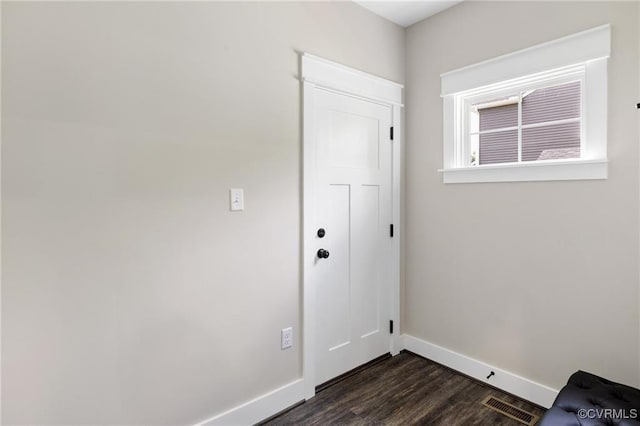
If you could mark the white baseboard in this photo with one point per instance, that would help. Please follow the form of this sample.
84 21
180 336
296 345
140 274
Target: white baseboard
509 382
267 405
260 408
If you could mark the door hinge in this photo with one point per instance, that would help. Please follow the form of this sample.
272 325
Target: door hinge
391 230
390 326
391 132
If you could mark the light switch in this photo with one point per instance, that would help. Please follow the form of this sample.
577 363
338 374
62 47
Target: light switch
236 199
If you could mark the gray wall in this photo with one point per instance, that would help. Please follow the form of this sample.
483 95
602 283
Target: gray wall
130 294
540 278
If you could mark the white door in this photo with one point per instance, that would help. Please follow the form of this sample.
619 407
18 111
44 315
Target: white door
353 205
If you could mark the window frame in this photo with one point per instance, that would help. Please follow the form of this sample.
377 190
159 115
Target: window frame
541 81
581 56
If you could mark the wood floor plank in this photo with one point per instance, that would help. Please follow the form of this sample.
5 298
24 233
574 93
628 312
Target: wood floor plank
405 389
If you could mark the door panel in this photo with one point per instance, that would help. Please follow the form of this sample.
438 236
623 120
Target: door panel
365 268
336 284
353 204
353 141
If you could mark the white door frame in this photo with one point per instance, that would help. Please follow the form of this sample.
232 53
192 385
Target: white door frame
320 73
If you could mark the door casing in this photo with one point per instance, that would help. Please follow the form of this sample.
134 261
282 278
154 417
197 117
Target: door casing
320 73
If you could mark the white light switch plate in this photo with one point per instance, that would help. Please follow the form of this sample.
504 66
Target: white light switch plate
236 199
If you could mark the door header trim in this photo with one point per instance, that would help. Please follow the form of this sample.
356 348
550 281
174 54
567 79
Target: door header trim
331 75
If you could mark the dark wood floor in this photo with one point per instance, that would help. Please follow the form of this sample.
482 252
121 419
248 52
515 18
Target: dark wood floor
405 389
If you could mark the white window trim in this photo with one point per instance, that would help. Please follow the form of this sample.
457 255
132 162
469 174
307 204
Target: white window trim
590 48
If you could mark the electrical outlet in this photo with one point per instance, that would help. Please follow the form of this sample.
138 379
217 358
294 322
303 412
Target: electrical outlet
287 337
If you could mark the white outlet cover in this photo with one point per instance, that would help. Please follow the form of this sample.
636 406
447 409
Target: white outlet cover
287 337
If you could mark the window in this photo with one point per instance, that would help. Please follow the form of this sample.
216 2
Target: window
528 123
537 114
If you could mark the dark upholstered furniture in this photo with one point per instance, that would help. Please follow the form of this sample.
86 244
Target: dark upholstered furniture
589 400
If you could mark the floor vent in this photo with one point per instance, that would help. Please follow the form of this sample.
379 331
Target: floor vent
510 410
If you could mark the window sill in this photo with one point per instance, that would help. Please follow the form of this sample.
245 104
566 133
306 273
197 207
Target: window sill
536 171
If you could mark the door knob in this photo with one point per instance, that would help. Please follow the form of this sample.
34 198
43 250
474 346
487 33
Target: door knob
323 254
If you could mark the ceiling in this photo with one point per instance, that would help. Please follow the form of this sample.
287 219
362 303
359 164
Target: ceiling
406 13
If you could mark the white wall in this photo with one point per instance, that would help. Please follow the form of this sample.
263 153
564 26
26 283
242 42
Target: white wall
540 279
130 294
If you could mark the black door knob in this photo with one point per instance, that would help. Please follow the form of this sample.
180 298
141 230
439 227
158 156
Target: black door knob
321 233
323 254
